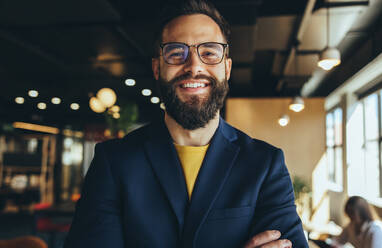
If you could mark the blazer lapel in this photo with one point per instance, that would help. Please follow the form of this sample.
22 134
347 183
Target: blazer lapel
165 163
215 169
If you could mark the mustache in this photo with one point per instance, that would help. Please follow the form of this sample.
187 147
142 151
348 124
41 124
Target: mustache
188 76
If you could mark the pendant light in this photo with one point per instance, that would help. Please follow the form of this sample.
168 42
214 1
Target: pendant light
330 56
96 105
297 104
283 120
107 97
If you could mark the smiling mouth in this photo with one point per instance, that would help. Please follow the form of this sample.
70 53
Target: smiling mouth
193 85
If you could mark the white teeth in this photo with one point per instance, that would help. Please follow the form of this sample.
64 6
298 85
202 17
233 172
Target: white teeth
193 85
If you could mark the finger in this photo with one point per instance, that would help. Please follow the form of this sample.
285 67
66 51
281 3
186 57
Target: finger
263 238
281 243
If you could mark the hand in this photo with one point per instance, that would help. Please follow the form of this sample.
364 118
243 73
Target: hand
268 239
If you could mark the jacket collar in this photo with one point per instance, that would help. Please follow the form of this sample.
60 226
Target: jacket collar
215 169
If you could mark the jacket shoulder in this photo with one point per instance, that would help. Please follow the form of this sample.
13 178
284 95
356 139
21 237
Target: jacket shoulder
132 139
244 140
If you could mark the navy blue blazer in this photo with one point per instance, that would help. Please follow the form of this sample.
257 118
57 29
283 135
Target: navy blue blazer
135 195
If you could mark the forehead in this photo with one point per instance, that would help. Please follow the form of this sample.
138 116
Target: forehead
192 29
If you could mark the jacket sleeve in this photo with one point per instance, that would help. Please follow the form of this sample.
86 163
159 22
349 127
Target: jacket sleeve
97 221
275 207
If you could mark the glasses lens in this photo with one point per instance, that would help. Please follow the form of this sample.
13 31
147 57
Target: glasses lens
175 53
211 53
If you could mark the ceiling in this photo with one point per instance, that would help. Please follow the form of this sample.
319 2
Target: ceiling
71 49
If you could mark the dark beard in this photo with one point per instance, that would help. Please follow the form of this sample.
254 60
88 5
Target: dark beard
196 112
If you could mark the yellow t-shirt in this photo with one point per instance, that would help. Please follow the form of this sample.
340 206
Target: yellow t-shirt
191 158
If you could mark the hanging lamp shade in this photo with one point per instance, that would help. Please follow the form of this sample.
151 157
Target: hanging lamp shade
96 105
297 104
283 120
329 58
107 96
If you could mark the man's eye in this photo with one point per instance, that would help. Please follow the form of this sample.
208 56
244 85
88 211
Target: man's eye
176 55
209 54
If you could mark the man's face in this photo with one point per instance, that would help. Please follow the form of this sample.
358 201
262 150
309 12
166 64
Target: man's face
192 107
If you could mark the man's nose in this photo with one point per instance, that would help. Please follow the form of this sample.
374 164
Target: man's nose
193 64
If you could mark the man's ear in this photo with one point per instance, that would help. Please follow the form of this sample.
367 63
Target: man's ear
155 67
228 67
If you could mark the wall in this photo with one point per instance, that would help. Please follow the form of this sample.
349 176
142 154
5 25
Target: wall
302 140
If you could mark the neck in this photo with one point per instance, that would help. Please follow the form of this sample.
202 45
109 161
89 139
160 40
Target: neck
197 137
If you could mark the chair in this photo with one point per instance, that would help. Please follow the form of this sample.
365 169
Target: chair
50 221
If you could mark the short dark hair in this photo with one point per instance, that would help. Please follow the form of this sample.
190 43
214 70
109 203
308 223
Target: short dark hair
189 7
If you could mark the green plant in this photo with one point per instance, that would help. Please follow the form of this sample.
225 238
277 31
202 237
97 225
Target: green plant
128 116
300 186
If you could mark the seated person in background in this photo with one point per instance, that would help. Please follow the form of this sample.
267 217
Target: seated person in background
362 231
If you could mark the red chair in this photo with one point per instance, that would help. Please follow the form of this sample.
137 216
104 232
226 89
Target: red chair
47 221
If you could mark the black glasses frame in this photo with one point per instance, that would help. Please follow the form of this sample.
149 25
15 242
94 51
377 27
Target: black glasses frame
225 45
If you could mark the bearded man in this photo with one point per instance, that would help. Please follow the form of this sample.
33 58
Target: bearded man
189 180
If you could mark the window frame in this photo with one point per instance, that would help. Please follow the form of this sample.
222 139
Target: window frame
362 100
338 182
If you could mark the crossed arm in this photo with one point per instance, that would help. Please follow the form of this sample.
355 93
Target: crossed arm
268 239
276 211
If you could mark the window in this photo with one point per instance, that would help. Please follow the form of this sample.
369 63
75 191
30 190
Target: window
364 139
334 146
371 145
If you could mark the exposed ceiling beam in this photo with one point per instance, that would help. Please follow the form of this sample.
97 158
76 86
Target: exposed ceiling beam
8 36
308 52
369 17
132 42
305 19
64 25
300 33
239 2
124 34
301 30
328 4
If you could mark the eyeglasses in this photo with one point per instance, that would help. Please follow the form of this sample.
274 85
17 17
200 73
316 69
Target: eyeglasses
210 53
